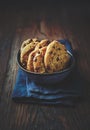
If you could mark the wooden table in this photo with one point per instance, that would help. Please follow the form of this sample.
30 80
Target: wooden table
71 22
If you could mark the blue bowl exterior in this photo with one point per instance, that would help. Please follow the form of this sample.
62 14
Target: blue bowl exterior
47 78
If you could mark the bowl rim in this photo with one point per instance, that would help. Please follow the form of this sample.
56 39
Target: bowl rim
58 72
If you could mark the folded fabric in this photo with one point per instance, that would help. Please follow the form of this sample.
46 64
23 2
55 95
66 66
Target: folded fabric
65 92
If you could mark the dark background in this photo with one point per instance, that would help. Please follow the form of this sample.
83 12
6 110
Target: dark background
39 4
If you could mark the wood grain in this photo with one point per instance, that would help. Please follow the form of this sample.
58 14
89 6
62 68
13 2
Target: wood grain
68 22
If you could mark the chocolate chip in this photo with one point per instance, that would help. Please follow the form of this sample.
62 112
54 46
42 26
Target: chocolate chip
53 47
57 58
58 48
38 52
30 40
54 53
40 47
50 52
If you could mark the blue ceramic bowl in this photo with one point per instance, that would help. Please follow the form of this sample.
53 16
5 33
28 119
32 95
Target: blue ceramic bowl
50 78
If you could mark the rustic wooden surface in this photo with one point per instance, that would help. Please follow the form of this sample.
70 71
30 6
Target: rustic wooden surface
71 22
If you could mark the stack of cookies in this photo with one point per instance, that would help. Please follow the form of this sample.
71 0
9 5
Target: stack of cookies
43 56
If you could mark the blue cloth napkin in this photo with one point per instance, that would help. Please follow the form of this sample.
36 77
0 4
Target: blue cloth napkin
66 92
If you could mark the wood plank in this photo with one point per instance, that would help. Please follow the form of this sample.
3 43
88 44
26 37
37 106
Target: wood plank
5 47
7 30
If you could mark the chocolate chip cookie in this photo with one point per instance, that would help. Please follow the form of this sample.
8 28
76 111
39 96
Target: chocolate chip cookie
30 66
26 48
56 57
42 43
38 60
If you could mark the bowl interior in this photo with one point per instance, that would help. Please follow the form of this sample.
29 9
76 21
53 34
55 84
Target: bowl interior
70 66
